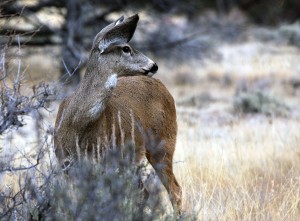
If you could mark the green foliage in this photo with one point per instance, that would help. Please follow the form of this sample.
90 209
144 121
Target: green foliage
259 102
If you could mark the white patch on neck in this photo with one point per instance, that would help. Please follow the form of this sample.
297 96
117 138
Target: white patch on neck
96 109
111 82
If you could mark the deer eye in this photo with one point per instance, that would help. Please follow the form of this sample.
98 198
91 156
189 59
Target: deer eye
126 49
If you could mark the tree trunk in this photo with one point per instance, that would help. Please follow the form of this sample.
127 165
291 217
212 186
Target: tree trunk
72 49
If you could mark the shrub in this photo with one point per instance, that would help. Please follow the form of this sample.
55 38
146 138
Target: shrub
259 102
90 191
291 33
101 191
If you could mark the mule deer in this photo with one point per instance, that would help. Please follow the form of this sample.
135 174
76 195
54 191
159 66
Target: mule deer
118 85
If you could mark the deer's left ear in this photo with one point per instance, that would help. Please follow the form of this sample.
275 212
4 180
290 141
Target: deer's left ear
119 20
121 33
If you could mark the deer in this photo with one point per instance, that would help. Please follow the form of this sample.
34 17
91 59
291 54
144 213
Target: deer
118 84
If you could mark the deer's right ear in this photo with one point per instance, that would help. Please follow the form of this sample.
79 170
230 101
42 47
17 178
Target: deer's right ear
120 33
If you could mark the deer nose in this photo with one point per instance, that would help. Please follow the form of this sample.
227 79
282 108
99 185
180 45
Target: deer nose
154 68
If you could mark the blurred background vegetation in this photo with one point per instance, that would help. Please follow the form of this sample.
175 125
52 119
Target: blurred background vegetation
180 30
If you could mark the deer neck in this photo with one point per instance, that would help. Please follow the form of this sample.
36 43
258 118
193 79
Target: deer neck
99 78
95 90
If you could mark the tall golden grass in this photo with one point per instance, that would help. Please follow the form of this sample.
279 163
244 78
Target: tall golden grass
248 170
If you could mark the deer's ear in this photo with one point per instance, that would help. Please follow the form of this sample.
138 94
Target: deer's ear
120 33
119 20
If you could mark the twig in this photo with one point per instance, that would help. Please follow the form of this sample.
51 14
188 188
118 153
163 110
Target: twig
14 169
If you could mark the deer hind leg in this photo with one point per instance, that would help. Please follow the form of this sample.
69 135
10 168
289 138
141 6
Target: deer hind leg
142 173
162 160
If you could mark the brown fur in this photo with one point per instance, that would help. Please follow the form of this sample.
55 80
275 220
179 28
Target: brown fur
135 96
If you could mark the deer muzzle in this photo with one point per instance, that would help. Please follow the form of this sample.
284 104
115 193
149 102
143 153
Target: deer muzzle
151 70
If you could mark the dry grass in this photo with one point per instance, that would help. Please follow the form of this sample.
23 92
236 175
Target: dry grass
245 171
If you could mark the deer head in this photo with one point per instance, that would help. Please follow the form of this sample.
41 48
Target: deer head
111 53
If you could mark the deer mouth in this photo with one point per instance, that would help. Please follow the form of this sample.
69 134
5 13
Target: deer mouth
151 71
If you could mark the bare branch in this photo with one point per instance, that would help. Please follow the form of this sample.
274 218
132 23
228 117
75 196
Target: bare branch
21 168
